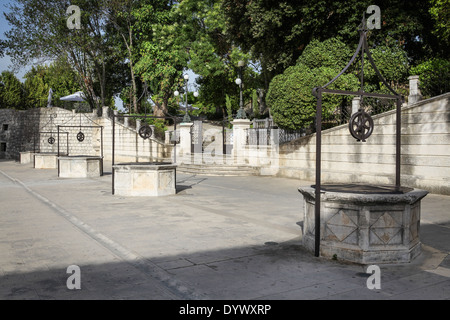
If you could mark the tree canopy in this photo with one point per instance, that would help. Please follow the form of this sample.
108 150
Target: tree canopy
130 48
11 91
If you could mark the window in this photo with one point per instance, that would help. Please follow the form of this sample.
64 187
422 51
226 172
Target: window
3 147
5 127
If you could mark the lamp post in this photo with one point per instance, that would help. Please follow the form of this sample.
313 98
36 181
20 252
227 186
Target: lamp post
241 113
186 118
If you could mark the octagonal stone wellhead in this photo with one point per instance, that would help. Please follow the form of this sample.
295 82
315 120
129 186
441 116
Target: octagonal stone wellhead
147 179
364 224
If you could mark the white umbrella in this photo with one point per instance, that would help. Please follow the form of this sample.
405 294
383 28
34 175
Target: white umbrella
49 100
77 97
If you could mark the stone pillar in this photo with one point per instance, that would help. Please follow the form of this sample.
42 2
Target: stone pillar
274 137
153 136
126 121
138 124
356 103
185 140
414 92
105 112
167 137
240 127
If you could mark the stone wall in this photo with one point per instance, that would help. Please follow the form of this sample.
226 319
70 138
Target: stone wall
30 130
425 161
18 130
129 146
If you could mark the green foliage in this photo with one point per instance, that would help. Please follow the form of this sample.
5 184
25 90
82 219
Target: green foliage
393 65
192 35
59 76
123 43
11 91
290 94
277 32
36 90
434 76
160 124
229 106
331 53
441 15
255 105
39 32
292 103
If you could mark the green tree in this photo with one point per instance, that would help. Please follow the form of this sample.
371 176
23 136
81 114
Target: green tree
62 79
161 62
11 91
277 32
39 31
123 15
290 94
440 13
36 88
59 76
393 64
197 38
434 75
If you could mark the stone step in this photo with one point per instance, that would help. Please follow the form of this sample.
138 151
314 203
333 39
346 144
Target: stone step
218 170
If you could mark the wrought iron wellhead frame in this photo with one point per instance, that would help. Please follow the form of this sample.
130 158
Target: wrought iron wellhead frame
51 133
101 143
363 47
174 119
47 132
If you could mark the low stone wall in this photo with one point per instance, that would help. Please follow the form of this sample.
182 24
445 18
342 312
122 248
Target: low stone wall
130 147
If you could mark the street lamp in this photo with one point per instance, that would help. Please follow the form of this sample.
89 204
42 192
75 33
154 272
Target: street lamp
186 118
241 113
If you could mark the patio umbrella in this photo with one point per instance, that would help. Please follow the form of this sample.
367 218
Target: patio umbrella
49 101
77 97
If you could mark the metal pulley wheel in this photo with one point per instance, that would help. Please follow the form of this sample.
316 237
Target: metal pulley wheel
145 132
80 136
361 125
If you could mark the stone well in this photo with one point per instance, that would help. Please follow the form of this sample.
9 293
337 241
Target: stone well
26 157
80 167
144 179
45 160
364 224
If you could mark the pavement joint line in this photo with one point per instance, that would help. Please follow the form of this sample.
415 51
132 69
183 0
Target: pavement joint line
241 217
176 287
437 224
441 271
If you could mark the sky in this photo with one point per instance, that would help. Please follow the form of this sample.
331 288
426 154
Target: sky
5 62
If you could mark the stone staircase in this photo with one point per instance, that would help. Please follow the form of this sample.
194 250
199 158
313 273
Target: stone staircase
218 170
